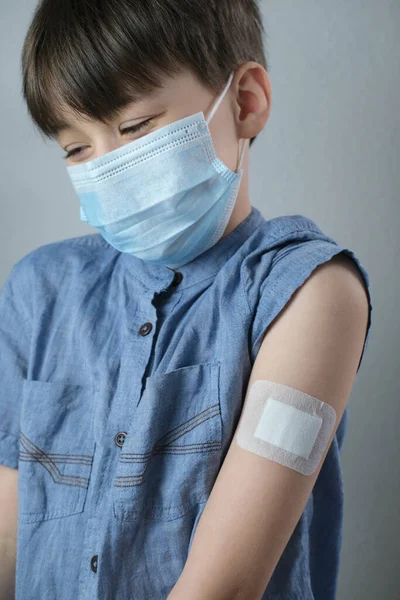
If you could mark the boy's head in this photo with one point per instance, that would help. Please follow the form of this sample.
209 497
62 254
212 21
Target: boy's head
101 66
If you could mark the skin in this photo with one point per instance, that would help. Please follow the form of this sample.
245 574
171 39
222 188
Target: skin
241 116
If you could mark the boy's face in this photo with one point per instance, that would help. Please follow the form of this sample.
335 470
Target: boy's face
181 96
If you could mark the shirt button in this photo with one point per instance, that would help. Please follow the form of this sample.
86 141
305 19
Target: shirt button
177 279
145 329
93 563
120 438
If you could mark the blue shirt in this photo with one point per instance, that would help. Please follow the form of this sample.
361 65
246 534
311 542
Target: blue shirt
122 386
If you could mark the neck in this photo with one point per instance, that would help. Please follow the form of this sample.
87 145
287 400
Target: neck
242 207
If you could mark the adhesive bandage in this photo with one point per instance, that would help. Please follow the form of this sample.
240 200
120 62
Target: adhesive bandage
286 425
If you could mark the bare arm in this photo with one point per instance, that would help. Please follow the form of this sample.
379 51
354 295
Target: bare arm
8 531
314 346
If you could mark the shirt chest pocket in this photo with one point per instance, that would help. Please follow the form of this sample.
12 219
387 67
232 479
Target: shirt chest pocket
56 450
171 455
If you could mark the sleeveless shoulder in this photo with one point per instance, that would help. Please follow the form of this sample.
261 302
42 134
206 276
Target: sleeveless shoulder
286 251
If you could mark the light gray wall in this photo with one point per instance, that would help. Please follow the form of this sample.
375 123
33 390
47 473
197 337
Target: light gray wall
331 152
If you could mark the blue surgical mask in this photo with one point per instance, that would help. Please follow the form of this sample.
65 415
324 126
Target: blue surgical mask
165 198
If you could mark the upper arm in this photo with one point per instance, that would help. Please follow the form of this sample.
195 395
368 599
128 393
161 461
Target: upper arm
8 503
314 345
316 341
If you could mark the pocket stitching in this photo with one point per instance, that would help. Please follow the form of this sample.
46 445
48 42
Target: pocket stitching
176 429
53 465
122 480
215 412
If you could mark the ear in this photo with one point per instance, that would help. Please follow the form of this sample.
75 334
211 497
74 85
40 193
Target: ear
252 99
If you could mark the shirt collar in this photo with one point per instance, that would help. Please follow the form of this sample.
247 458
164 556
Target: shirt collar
158 277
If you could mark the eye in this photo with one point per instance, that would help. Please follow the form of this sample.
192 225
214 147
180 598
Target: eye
132 129
137 127
73 152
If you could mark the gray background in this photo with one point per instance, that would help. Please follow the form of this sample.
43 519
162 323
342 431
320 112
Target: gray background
330 151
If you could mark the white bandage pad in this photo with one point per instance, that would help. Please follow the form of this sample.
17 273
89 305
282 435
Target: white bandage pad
286 425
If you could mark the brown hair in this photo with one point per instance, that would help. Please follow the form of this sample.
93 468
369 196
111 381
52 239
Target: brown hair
96 56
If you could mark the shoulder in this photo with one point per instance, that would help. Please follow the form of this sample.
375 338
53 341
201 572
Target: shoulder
49 274
76 248
61 260
335 291
322 329
292 257
281 255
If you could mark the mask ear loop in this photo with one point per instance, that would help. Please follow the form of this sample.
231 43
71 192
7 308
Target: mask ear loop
242 154
222 96
216 107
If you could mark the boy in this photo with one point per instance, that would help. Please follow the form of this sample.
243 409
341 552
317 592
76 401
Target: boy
129 356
